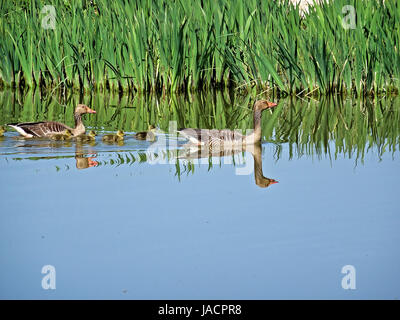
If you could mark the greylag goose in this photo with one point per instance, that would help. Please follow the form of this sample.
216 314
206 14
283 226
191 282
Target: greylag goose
119 136
49 128
91 136
226 137
146 135
62 136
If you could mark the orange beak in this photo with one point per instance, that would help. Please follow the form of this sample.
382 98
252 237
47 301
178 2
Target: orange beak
273 181
88 110
92 163
272 104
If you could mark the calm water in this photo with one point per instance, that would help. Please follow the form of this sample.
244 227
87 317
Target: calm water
133 221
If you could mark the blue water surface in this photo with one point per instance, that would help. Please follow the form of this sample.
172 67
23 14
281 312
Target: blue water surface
136 230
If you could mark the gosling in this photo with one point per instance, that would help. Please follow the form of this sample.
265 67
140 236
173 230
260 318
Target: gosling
119 136
67 135
91 136
146 135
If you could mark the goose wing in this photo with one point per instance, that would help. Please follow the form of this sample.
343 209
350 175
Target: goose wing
211 137
39 129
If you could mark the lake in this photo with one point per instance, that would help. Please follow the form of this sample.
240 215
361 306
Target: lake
140 220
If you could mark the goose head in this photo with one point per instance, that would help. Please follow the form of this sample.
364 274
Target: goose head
261 105
82 109
2 130
120 133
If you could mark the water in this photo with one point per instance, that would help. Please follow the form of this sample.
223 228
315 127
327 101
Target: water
131 221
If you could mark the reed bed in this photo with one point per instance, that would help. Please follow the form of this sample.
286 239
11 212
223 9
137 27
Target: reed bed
183 45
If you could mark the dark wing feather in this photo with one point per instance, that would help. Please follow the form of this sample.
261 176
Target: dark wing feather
42 129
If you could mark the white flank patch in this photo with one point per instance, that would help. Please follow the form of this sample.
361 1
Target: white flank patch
21 131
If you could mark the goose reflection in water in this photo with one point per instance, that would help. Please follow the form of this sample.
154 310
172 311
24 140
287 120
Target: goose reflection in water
82 161
190 153
86 153
82 158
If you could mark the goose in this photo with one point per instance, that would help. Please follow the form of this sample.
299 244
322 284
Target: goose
67 135
146 135
119 136
226 137
49 128
2 130
91 136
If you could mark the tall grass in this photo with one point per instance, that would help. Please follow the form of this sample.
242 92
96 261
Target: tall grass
182 45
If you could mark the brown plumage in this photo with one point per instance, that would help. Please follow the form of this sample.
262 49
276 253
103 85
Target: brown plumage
50 128
226 137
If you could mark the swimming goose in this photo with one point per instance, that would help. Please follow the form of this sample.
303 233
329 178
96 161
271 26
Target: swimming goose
119 136
49 128
146 135
226 137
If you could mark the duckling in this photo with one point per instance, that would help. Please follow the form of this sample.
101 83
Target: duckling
91 136
67 135
2 130
146 135
114 137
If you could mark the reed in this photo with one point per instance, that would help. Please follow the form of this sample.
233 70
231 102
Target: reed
183 45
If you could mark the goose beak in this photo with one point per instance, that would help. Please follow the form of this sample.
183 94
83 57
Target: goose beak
272 104
92 163
273 181
90 110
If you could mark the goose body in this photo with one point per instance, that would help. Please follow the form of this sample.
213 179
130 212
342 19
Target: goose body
119 136
50 128
226 137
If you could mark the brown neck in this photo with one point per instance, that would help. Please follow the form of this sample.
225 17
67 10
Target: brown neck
78 119
255 137
259 178
257 126
79 127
